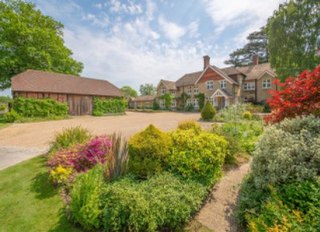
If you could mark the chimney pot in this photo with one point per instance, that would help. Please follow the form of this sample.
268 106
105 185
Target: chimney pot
206 61
255 59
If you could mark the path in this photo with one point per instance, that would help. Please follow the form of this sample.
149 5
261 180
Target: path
217 214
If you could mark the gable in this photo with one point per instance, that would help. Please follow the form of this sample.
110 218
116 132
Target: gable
210 74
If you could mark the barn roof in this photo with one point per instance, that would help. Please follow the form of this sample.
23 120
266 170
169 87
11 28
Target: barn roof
49 82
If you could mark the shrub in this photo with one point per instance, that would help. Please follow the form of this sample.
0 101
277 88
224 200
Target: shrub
60 175
197 157
114 105
190 125
11 116
161 202
2 107
69 137
41 108
247 115
288 152
155 105
231 113
208 111
85 205
189 107
296 97
148 151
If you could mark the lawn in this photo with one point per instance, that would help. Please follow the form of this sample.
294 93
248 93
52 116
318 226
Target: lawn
28 201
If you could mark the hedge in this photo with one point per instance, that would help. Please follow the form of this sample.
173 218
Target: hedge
102 107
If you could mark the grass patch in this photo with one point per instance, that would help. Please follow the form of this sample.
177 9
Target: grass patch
28 200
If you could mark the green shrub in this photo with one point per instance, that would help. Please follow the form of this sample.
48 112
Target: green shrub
85 205
288 152
208 111
190 125
155 105
189 108
197 156
11 116
148 151
247 115
39 108
69 137
161 202
2 107
107 106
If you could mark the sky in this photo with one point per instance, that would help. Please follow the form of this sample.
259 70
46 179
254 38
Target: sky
132 42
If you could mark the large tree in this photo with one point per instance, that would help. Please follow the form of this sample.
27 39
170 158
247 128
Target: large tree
147 89
128 92
294 37
31 40
257 44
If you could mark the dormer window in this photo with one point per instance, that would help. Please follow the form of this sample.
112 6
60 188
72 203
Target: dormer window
209 85
223 84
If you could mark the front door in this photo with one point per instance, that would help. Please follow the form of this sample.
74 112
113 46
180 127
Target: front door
221 102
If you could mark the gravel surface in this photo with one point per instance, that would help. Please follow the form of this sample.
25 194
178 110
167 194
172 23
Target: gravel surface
22 141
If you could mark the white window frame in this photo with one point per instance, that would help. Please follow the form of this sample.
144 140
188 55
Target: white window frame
195 90
162 91
162 103
173 104
248 86
195 103
266 84
223 84
189 90
209 85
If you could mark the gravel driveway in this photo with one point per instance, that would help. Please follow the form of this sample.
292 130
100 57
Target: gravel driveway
20 142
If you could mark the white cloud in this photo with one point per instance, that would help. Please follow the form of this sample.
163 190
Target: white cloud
102 21
171 30
130 7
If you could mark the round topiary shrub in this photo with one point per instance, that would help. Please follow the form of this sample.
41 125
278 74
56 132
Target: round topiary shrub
247 115
208 111
190 125
148 151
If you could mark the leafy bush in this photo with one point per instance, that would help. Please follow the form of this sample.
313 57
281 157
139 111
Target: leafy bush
114 105
69 137
288 152
2 107
148 151
85 205
39 108
155 105
161 202
11 116
197 156
189 107
232 112
208 111
247 115
296 97
60 175
190 125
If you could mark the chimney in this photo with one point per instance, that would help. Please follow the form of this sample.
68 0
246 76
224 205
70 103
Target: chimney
206 61
255 59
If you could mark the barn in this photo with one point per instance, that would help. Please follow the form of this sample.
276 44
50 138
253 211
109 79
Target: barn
77 92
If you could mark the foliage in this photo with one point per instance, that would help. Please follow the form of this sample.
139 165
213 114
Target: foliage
161 202
257 45
147 89
102 107
201 100
31 40
290 52
148 151
190 125
189 107
231 113
197 156
60 175
183 98
167 97
5 99
85 206
247 115
128 92
70 137
297 96
155 105
2 107
39 108
287 152
208 111
11 116
255 108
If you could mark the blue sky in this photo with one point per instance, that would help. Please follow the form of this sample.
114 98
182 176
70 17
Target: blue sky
130 42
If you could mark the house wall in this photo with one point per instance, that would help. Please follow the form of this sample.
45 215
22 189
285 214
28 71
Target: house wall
248 95
141 104
263 94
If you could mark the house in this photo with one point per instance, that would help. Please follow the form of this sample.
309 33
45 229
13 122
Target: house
141 102
221 86
77 92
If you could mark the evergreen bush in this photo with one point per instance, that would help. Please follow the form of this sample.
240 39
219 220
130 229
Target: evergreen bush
208 111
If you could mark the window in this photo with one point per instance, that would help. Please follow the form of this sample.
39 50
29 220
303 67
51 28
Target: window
195 103
188 102
249 86
209 85
161 103
163 91
195 90
266 84
173 104
223 84
189 90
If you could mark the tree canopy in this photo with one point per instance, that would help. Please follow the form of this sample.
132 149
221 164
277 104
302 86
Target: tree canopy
294 37
147 89
128 92
257 45
31 40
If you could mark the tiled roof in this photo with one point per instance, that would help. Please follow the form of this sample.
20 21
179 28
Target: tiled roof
49 82
143 98
171 85
188 79
254 71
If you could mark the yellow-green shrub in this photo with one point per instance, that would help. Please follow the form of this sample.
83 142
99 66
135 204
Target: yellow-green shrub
247 115
148 151
60 175
208 111
190 125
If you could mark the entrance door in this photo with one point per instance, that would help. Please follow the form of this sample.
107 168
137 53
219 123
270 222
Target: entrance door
80 105
221 102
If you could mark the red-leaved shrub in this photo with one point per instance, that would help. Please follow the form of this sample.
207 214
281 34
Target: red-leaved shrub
297 96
